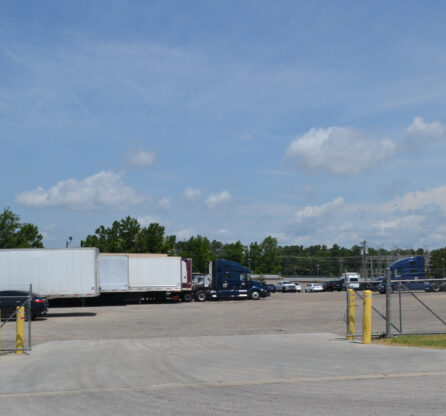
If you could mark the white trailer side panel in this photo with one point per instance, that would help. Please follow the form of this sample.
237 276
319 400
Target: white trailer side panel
155 274
53 273
113 273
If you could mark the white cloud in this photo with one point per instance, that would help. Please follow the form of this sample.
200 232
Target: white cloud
185 234
338 150
104 190
413 220
420 133
214 201
433 199
223 232
165 203
148 219
395 224
191 194
315 212
283 238
141 158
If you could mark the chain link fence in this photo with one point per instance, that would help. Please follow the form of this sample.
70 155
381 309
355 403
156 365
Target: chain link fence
10 302
402 310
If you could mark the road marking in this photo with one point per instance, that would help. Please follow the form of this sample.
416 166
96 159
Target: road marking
242 383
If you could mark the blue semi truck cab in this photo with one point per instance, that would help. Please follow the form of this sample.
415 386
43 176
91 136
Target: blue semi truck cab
230 280
410 268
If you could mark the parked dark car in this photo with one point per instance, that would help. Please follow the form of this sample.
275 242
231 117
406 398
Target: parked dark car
332 285
264 293
10 299
271 288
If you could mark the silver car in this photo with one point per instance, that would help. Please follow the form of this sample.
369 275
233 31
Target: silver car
314 287
298 286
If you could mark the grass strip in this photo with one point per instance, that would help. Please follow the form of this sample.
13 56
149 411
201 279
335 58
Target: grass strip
423 341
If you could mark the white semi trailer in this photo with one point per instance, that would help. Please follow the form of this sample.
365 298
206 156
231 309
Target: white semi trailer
53 273
145 275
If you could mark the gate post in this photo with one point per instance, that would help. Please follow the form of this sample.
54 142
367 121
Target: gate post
20 328
350 314
388 303
367 318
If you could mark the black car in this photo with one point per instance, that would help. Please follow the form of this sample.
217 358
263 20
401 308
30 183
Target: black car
10 299
332 285
267 291
271 288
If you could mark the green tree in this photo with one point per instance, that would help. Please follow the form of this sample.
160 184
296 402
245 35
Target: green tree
216 249
199 250
437 263
234 252
270 261
127 236
14 234
151 239
253 257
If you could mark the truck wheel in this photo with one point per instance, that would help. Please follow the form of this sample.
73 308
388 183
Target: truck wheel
255 295
200 296
435 287
187 297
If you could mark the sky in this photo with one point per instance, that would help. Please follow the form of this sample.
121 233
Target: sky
315 122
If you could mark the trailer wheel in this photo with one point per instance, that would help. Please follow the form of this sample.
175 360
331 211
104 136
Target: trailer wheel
255 295
187 297
200 296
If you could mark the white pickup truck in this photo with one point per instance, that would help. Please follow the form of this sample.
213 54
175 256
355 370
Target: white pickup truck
350 280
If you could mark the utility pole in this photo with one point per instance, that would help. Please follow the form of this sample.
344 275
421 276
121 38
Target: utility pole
364 260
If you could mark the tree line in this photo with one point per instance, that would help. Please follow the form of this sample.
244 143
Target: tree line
266 257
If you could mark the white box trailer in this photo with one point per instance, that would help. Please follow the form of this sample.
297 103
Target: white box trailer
54 273
147 273
113 270
157 274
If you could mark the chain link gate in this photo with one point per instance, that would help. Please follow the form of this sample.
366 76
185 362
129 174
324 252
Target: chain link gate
404 311
9 305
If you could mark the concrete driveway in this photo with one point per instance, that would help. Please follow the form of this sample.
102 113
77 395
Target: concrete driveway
262 358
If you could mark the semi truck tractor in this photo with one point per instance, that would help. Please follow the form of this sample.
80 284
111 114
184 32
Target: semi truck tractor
410 271
230 280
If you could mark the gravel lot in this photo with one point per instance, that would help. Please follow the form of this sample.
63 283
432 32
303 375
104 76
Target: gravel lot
286 313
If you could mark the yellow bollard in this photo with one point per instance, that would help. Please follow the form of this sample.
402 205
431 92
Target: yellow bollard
20 327
367 318
351 314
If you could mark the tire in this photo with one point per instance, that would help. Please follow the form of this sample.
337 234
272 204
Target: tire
435 287
200 296
283 290
255 295
187 297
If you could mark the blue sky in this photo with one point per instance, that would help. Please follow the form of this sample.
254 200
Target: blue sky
316 122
